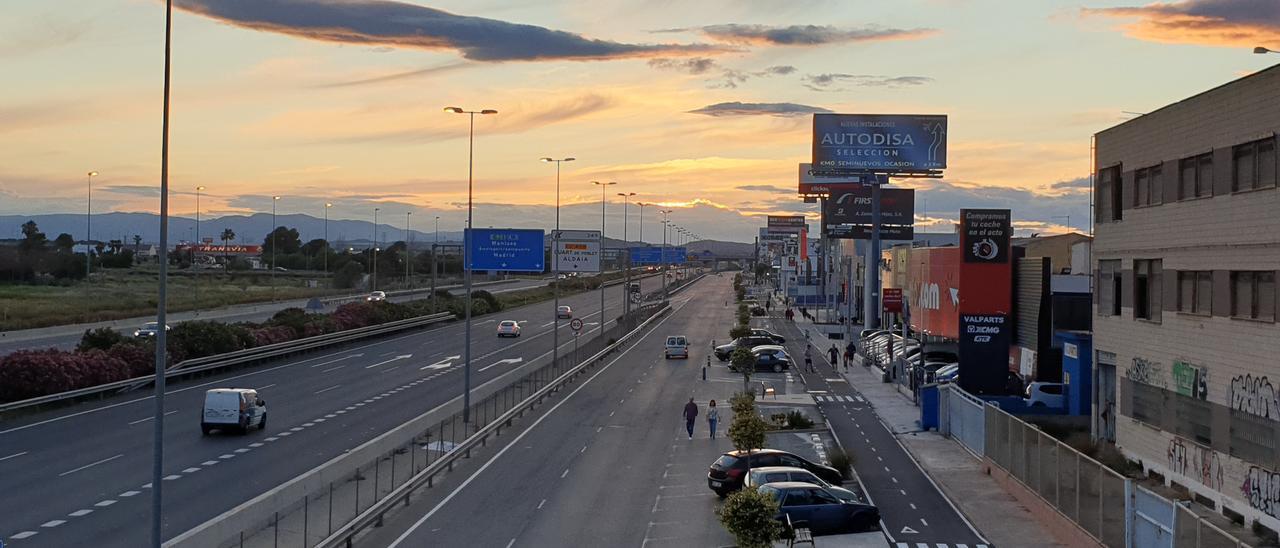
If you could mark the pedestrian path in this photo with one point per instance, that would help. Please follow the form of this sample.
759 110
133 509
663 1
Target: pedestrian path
935 545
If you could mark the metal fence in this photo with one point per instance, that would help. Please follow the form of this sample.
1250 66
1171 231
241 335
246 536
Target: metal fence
313 506
962 417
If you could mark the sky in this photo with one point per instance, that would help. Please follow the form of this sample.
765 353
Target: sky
701 108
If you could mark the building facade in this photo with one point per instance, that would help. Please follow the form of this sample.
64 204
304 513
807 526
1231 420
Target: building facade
1185 259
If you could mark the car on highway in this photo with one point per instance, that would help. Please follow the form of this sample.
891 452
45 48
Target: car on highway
677 346
563 312
723 351
728 472
820 510
774 474
233 409
777 339
149 329
376 296
508 328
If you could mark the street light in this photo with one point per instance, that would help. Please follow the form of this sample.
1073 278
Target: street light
327 205
665 223
408 255
603 201
373 251
195 278
274 199
642 206
555 266
626 286
1261 50
466 256
157 424
88 227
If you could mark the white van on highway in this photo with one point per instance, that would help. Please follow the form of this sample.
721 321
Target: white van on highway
233 408
677 347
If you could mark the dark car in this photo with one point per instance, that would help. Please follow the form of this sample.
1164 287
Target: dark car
771 357
723 351
728 472
820 510
776 338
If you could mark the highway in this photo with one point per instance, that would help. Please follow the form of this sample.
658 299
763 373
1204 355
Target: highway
80 475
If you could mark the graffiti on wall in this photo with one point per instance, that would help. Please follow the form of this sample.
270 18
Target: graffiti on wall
1145 371
1262 489
1255 395
1190 380
1194 461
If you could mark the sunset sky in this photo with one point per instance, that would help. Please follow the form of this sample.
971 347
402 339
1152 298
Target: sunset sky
702 106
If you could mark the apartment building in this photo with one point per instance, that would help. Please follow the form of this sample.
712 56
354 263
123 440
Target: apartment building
1185 256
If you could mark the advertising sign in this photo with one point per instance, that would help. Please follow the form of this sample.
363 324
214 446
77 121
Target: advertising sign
652 255
984 352
897 206
935 290
508 249
231 249
879 142
891 298
863 232
1190 380
787 224
984 235
826 186
576 250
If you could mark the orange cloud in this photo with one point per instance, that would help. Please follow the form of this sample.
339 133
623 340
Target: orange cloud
1236 23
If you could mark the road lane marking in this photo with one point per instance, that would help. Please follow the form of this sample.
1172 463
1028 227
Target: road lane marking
326 390
500 362
53 523
13 456
266 387
90 465
24 535
544 501
397 358
322 364
127 494
80 513
172 477
332 369
105 503
565 473
191 470
513 541
147 419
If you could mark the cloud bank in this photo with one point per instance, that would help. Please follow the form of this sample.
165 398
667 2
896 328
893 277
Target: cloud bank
736 108
835 81
1239 23
805 35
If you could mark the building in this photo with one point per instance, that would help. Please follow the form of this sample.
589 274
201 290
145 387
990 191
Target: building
1057 248
1186 253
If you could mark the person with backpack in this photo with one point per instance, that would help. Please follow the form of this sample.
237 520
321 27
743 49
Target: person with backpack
849 350
834 355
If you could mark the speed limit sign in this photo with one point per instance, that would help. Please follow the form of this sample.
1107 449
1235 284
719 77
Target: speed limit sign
576 324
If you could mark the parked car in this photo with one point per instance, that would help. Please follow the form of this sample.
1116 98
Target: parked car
376 296
677 347
1046 394
947 374
723 351
232 408
865 333
758 311
773 474
728 472
931 369
563 312
508 328
771 357
777 339
820 510
149 329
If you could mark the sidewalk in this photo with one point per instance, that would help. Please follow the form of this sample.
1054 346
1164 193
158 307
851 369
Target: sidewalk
957 472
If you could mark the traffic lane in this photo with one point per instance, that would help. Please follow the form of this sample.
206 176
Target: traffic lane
183 449
575 462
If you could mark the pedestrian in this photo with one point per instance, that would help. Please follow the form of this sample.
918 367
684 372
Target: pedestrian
690 415
808 359
713 417
849 351
834 354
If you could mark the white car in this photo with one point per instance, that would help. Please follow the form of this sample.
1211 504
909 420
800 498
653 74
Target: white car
677 347
508 328
376 296
149 329
1046 394
233 409
563 312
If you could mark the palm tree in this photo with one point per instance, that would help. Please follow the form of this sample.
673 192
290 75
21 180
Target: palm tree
227 236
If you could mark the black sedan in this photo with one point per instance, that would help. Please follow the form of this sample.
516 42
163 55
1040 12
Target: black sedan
776 338
728 472
820 510
723 351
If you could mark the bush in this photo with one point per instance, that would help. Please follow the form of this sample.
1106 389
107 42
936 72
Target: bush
197 339
31 373
743 402
138 355
748 515
841 461
102 338
748 429
348 276
798 421
739 331
263 336
494 305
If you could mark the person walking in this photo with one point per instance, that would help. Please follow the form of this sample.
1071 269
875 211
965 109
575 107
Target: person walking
849 350
713 418
808 359
834 354
690 415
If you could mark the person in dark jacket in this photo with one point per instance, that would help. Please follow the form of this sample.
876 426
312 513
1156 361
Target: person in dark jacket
690 415
834 354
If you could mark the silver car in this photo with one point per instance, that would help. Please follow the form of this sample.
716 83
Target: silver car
773 474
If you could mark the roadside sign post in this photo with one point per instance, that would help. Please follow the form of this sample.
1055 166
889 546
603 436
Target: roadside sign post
576 326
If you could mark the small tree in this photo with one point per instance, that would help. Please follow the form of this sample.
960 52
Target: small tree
750 516
744 362
739 331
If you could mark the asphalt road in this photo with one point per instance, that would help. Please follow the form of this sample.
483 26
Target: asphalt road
80 476
65 337
607 464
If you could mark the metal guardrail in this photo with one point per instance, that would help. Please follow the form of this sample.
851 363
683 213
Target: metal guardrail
219 361
374 514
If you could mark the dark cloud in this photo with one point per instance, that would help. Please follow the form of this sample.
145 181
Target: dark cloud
1241 23
736 108
727 77
832 81
396 76
943 199
779 70
1073 185
807 35
402 25
693 65
766 188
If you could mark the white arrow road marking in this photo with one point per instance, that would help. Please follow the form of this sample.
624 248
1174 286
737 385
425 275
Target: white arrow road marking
397 358
441 364
906 530
500 362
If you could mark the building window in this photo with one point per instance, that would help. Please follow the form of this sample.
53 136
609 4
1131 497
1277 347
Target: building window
1195 178
1109 195
1109 288
1253 295
1146 289
1254 165
1149 186
1195 292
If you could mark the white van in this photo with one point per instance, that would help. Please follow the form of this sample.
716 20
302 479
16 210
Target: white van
233 408
677 347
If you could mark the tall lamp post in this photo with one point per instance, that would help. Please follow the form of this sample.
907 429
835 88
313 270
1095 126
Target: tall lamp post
88 228
157 443
626 286
665 224
642 206
373 251
466 256
408 254
603 200
195 277
274 199
327 205
555 266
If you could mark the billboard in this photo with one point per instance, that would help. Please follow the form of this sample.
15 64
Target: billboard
230 249
986 274
891 299
984 235
863 232
652 255
879 142
897 206
825 186
984 352
934 274
787 224
576 250
508 249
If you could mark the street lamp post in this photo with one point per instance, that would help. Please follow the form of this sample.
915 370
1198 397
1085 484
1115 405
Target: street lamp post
327 205
665 224
642 205
195 277
408 255
274 199
434 262
157 425
373 252
88 228
466 256
626 286
555 267
603 200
